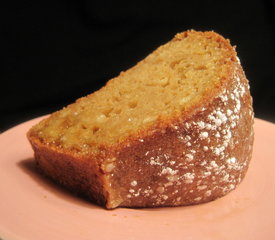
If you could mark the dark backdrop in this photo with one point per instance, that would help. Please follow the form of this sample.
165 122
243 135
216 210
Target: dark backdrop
56 51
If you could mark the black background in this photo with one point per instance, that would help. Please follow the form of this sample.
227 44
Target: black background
56 51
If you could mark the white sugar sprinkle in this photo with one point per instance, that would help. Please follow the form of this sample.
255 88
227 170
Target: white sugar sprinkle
189 157
205 148
206 174
229 112
224 98
231 160
208 193
202 187
201 124
214 164
217 135
208 126
169 171
165 197
197 199
189 177
203 135
133 183
203 163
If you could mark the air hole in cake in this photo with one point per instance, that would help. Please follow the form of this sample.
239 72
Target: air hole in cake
182 79
116 99
132 104
174 63
107 112
117 111
83 126
201 67
95 129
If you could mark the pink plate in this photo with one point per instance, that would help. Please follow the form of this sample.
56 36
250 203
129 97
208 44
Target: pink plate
33 208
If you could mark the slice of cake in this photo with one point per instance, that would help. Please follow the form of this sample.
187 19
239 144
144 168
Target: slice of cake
176 129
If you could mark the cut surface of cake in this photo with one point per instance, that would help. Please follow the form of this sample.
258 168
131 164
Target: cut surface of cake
175 129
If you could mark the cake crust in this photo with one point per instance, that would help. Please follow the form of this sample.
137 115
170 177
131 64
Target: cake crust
192 157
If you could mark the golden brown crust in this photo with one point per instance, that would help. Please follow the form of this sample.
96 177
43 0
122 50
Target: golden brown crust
77 173
191 160
196 156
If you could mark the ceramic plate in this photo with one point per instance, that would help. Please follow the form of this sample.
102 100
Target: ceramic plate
33 208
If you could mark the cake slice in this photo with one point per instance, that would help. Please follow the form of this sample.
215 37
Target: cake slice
176 129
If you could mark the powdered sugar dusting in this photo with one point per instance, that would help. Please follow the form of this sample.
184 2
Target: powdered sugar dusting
169 170
188 177
206 164
203 135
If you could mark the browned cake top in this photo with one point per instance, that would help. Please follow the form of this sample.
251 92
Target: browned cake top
169 82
